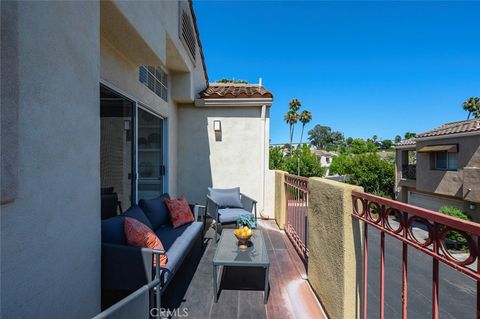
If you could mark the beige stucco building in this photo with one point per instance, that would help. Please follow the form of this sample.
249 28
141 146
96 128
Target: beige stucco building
102 97
441 167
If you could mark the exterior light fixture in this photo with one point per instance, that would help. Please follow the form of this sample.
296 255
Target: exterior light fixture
472 206
217 126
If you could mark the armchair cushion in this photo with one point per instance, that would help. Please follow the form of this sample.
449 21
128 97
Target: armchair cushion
156 210
137 213
230 215
228 197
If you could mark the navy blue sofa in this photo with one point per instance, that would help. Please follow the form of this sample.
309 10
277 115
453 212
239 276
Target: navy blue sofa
127 268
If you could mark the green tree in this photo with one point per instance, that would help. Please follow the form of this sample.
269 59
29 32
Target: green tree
472 106
386 144
409 135
360 146
309 164
304 118
323 137
276 159
375 175
398 139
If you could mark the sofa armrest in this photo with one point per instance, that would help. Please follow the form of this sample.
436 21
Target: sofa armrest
127 267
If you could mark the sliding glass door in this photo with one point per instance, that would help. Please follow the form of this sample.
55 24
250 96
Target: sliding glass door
150 159
131 153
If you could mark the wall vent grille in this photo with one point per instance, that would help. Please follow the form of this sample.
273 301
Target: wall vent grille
188 34
155 79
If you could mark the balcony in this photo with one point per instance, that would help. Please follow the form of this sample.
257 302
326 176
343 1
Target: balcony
360 254
409 171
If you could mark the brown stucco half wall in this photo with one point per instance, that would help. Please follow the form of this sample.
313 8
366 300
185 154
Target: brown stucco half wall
280 199
335 248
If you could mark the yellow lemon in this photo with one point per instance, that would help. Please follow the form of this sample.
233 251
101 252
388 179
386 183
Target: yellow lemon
249 232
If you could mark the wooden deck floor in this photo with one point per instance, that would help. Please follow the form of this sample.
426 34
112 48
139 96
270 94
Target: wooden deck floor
290 296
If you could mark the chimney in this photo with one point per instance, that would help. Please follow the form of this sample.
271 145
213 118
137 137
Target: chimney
260 82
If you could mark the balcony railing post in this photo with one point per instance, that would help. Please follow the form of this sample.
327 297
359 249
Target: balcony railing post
403 220
365 269
438 226
296 188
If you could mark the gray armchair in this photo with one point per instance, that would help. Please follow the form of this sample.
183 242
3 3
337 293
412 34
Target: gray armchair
224 215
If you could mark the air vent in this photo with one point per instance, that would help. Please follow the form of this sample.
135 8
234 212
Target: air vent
155 79
188 34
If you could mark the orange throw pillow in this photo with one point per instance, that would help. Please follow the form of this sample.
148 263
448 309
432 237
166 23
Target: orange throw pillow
140 235
180 212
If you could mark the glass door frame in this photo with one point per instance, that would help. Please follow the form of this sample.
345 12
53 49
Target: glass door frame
164 149
134 129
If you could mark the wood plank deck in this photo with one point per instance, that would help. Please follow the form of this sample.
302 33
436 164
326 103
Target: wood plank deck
290 294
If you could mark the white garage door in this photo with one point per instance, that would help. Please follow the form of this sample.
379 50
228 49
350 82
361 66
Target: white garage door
432 202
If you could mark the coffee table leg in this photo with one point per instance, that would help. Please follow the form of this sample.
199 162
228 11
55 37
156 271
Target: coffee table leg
215 294
265 293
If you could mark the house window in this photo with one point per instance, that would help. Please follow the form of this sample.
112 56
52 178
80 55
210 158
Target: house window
445 161
155 79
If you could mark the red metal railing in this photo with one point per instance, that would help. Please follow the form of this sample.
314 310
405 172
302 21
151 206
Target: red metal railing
376 212
296 190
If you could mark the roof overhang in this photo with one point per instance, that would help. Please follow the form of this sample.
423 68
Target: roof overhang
404 147
451 148
445 136
234 102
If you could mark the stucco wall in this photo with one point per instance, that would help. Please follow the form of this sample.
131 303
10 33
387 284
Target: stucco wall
269 207
50 236
334 240
447 182
230 159
280 199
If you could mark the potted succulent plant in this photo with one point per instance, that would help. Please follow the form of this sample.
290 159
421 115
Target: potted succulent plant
246 220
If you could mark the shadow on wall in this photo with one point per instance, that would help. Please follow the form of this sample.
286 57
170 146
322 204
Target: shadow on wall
194 169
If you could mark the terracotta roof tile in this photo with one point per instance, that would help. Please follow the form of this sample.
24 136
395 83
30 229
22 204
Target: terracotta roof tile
410 141
235 90
453 128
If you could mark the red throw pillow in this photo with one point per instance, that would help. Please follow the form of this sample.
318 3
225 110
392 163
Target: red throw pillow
140 235
180 212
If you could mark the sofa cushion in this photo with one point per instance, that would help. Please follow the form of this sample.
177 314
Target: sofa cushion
177 242
180 213
112 231
168 235
228 197
230 215
156 210
140 235
137 213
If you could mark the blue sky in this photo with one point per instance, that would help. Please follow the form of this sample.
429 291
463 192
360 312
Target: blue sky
362 68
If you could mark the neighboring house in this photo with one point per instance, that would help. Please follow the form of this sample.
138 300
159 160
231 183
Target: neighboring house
325 158
441 167
102 97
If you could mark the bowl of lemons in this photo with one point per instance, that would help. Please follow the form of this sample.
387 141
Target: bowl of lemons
243 235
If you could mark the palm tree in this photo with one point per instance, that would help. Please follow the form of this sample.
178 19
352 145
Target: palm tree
472 105
291 117
305 117
294 105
